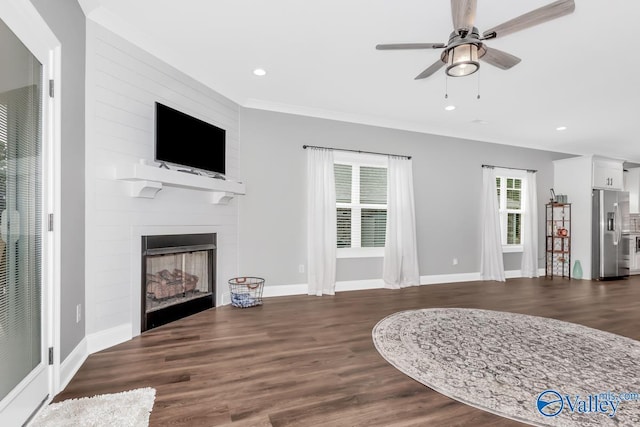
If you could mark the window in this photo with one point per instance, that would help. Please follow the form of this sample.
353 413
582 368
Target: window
361 203
510 199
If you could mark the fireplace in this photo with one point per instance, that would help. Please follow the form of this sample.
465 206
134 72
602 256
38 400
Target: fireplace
178 277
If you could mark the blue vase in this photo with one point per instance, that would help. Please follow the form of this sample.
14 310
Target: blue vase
577 270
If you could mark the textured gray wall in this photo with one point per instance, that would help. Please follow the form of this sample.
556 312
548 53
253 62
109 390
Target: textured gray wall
67 21
447 184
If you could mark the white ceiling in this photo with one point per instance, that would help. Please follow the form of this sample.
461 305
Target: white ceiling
577 71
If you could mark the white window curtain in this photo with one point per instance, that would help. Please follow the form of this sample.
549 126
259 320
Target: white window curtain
491 264
400 267
530 227
321 224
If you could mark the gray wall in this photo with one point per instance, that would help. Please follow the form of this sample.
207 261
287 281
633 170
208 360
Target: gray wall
67 21
447 184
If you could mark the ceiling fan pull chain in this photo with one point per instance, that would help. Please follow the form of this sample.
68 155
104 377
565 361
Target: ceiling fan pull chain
478 73
446 87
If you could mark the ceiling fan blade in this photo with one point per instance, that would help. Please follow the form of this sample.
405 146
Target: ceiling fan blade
432 69
500 59
538 16
397 46
463 13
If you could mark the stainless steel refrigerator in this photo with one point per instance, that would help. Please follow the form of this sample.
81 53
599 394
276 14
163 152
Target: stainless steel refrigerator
610 234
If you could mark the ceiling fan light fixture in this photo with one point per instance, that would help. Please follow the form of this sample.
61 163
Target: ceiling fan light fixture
463 60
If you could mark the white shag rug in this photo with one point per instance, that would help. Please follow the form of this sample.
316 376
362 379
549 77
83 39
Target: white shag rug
127 409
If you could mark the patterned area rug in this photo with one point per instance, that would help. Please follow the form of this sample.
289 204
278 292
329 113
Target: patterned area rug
531 369
127 409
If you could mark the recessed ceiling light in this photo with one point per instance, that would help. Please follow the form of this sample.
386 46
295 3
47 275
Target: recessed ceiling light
561 128
450 107
259 72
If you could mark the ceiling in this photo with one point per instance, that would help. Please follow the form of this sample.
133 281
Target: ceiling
577 71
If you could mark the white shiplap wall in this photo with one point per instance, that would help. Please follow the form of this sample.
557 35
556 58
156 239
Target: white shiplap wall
123 83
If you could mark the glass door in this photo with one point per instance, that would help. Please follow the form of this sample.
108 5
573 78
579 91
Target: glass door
24 373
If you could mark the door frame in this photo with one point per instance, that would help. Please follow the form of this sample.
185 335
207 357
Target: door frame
25 21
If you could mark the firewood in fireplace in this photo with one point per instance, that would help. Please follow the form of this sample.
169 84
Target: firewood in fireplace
171 279
189 281
166 284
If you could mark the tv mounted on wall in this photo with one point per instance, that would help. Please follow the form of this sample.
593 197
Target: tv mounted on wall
183 140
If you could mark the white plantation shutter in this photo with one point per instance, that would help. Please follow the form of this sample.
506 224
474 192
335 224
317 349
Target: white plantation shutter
373 185
510 201
343 175
373 191
361 200
343 183
373 227
344 227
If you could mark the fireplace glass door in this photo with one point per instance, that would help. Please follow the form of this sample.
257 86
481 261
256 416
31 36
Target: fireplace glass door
176 278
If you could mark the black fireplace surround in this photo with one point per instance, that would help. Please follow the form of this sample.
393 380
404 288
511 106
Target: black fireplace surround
178 277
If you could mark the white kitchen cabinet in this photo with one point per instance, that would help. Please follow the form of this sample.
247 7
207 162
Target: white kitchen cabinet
633 258
632 185
608 174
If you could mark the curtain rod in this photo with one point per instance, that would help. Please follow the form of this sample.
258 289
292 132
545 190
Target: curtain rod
356 151
504 167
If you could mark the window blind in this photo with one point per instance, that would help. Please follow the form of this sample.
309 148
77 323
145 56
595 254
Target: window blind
343 175
509 191
361 196
514 193
373 228
373 185
344 227
373 222
21 231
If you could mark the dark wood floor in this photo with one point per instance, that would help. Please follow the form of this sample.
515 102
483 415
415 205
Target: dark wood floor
310 361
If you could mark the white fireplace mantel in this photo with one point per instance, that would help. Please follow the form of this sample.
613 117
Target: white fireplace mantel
145 181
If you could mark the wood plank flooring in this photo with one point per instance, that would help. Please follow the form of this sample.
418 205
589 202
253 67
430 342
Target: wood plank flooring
310 361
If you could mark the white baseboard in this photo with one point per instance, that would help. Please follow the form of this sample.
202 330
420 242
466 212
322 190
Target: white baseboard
108 338
72 363
512 274
283 290
90 344
358 285
468 277
449 278
303 289
225 298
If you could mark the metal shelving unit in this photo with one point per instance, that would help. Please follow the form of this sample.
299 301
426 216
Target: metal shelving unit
558 240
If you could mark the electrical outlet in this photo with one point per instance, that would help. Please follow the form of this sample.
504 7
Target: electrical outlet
455 261
301 268
78 313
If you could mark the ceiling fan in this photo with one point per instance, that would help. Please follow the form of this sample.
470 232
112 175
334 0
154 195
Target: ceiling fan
466 47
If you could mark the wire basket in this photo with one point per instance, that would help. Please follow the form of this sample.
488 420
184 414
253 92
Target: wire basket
246 291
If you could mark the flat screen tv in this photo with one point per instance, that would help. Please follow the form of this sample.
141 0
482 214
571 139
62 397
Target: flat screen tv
189 142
